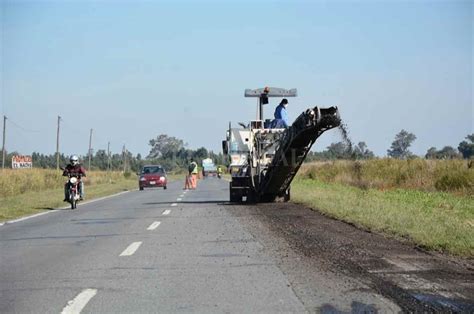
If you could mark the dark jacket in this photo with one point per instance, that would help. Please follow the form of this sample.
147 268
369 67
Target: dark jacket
77 169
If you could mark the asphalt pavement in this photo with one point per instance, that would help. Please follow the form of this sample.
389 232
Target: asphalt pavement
161 251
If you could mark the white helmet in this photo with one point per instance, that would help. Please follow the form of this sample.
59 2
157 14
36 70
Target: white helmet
74 160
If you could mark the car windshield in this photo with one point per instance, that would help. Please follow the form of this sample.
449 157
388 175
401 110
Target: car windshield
152 170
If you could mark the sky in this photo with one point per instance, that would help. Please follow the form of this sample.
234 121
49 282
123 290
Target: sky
131 70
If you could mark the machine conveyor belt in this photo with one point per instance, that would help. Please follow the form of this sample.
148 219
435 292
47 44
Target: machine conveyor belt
293 148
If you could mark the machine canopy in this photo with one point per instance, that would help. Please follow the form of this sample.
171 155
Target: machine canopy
271 92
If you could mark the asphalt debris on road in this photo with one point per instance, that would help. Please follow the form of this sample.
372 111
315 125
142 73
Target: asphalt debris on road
415 280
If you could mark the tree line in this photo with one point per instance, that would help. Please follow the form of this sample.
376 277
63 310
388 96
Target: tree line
168 151
399 149
172 153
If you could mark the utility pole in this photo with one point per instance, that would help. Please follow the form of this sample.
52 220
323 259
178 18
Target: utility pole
124 158
57 144
108 161
90 150
108 156
4 155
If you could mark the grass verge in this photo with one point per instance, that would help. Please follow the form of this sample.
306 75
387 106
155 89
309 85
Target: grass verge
33 202
433 220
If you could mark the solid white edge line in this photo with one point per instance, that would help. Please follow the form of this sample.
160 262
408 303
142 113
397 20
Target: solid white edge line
154 225
131 249
166 212
58 209
174 204
79 302
32 216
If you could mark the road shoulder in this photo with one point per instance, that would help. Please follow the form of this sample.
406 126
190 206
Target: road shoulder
309 244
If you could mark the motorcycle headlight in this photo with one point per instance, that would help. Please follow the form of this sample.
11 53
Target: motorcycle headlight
73 180
142 179
162 178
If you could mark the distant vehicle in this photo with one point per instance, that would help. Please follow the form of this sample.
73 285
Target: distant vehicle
152 176
208 168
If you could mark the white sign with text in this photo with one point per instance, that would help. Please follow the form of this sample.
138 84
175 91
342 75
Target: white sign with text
22 162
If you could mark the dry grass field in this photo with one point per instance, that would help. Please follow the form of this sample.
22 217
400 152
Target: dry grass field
16 182
456 176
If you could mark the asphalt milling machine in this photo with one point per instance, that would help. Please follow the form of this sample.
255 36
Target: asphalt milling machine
264 160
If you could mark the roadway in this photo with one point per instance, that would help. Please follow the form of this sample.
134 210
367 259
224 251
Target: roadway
171 251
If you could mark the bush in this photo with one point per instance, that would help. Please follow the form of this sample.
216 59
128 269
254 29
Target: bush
459 180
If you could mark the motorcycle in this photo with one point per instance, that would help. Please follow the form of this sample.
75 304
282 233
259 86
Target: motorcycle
73 194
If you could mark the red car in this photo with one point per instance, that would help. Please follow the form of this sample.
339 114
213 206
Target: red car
152 176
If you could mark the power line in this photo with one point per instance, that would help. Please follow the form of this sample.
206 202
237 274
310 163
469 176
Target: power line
73 129
22 128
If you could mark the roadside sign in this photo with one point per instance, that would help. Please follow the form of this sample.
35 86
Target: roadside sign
22 162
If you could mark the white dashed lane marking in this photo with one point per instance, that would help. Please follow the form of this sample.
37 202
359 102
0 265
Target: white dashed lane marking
166 212
174 204
79 302
179 199
131 249
154 225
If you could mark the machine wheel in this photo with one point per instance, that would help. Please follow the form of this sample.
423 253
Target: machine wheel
140 188
235 196
251 197
165 187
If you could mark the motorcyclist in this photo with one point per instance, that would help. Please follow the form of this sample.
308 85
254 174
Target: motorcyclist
219 171
74 167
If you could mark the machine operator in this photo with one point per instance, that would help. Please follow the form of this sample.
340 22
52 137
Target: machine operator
281 115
